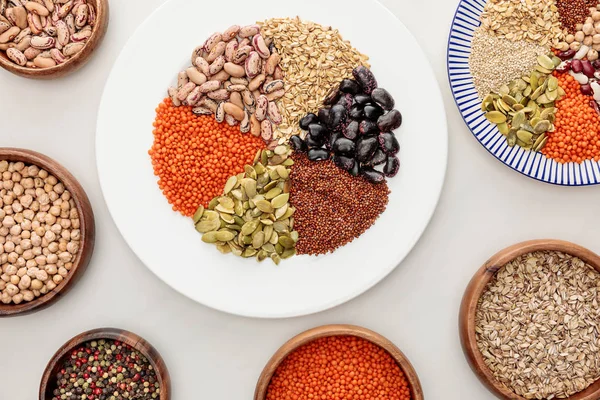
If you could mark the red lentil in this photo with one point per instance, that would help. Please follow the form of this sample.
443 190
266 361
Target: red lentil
193 156
573 12
576 137
332 207
339 368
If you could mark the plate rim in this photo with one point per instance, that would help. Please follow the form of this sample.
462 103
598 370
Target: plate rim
298 312
561 184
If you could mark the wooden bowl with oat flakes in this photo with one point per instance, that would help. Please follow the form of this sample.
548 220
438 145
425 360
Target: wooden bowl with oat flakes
476 289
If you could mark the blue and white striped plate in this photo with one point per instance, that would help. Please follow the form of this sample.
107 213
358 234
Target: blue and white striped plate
533 165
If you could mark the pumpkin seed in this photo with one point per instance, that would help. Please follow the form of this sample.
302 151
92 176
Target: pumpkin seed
258 240
511 138
496 117
287 253
250 171
261 255
280 200
230 184
276 259
287 242
198 214
542 127
210 237
264 206
503 128
546 62
224 236
213 203
273 193
539 144
524 136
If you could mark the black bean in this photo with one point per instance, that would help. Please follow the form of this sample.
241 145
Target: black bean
391 166
355 170
332 138
318 154
372 175
351 131
373 112
317 130
345 163
333 96
297 143
324 115
388 143
357 111
378 158
315 143
390 121
337 117
365 148
344 146
363 99
346 101
349 86
365 79
367 127
383 98
307 120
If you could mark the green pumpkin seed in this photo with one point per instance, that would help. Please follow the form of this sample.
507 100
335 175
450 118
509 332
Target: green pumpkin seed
249 227
282 171
224 236
511 138
249 187
259 168
232 227
249 252
223 209
250 171
552 83
207 226
556 61
294 235
280 200
542 127
267 222
227 218
230 184
539 144
281 211
224 248
496 117
504 89
211 215
287 253
503 128
198 214
509 100
546 62
268 247
210 237
258 240
268 230
552 95
543 99
261 256
286 242
518 119
279 248
280 150
213 203
274 238
537 93
518 107
527 92
276 259
524 136
264 206
235 249
288 162
271 194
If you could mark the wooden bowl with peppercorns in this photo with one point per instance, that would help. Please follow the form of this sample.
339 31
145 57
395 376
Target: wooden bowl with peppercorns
478 286
68 62
110 356
328 331
40 257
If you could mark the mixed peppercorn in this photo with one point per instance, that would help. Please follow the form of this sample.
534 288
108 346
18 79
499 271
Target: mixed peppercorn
106 370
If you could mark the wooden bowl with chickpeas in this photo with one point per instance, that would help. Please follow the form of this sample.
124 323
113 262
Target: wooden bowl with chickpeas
47 231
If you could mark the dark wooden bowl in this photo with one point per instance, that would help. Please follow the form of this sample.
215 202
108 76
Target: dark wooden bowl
86 218
72 64
146 349
338 330
474 291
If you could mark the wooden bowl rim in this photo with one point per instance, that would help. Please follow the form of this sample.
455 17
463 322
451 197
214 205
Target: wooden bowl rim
130 338
474 291
87 229
72 64
338 330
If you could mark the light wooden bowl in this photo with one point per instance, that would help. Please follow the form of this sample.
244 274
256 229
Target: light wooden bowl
75 62
338 330
146 349
475 290
86 218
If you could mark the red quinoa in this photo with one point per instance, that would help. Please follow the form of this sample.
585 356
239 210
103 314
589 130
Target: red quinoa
332 206
573 12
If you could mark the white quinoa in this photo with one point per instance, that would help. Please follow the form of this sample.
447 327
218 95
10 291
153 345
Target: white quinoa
495 62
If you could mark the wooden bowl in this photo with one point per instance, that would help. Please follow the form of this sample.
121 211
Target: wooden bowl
86 218
146 349
474 291
338 330
75 62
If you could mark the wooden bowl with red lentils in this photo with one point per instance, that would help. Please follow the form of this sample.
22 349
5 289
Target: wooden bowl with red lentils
345 353
103 361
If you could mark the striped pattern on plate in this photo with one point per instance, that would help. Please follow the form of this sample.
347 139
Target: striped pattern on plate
533 165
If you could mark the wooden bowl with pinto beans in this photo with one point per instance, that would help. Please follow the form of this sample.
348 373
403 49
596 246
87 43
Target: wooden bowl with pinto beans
51 44
85 230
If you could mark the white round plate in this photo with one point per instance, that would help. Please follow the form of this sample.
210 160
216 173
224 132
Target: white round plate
167 242
528 163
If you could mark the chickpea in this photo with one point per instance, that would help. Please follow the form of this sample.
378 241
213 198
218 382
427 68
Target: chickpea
32 271
588 41
3 165
57 279
28 255
5 298
41 275
26 201
30 264
53 196
51 269
2 285
62 271
15 279
75 234
10 270
12 257
44 289
5 278
11 289
66 196
37 250
50 219
27 183
50 285
36 284
575 46
68 266
17 298
50 236
66 235
22 272
53 247
18 189
42 173
9 247
25 282
56 229
592 55
28 295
